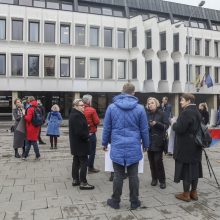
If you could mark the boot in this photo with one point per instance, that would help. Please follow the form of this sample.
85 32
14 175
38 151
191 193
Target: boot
194 195
55 147
17 155
51 145
184 196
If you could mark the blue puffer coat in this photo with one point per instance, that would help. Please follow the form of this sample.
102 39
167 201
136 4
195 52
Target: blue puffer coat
54 120
126 128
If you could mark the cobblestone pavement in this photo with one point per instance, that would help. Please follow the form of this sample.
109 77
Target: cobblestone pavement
41 190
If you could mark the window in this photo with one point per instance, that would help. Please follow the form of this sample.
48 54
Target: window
39 3
80 68
175 42
197 46
17 30
148 39
33 65
108 69
217 76
25 2
194 24
64 67
163 71
49 33
106 11
134 69
163 41
2 29
207 70
16 65
49 66
83 8
80 35
64 34
134 38
2 64
176 71
189 77
94 68
34 32
202 25
94 36
207 43
107 37
68 6
198 74
216 48
54 4
148 69
95 10
121 69
121 38
189 45
118 13
7 1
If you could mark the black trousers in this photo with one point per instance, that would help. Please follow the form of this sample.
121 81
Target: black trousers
79 168
156 165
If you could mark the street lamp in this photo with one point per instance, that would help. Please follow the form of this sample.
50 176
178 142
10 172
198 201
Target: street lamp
188 40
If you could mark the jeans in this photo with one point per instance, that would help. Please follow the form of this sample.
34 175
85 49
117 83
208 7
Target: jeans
119 173
92 141
28 147
79 168
156 165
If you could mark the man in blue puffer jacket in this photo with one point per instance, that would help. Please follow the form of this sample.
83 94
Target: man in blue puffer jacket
126 128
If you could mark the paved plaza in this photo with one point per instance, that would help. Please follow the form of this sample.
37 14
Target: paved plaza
41 190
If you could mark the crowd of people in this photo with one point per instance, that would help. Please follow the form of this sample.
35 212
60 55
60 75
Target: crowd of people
129 129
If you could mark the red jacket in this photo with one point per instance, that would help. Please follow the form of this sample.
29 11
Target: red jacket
32 131
92 118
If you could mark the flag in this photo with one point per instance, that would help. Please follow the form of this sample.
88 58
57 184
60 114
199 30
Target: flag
197 81
202 82
208 80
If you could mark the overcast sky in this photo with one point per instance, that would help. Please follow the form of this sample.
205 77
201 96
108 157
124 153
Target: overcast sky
214 4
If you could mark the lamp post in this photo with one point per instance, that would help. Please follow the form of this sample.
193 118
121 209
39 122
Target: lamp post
201 4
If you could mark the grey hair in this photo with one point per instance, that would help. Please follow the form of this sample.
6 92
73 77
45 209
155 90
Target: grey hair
76 102
87 99
55 108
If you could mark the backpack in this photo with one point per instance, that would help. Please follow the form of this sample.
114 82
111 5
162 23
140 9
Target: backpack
202 136
37 119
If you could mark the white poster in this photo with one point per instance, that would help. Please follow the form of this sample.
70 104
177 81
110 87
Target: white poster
109 165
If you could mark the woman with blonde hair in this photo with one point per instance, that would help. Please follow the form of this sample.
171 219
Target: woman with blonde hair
158 124
54 120
203 109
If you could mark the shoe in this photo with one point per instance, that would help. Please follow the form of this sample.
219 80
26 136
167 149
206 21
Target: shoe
24 158
51 148
163 185
185 196
153 182
41 142
75 183
135 205
93 170
113 204
86 186
17 155
55 147
111 177
37 158
194 195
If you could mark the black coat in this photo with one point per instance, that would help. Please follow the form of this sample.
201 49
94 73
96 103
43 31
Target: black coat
185 149
157 132
78 133
205 116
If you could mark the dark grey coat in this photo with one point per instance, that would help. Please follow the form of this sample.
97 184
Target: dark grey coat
78 133
185 149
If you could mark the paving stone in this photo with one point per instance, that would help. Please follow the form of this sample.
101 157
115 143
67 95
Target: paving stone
24 215
5 197
50 213
22 182
75 211
54 186
34 204
13 206
93 217
45 194
2 215
7 182
149 213
59 201
121 216
34 188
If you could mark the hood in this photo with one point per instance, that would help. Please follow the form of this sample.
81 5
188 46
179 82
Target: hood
33 103
125 101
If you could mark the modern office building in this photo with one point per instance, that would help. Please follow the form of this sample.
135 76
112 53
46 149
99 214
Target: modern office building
60 49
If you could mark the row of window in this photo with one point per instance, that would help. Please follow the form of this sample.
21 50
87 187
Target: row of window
68 6
65 33
65 67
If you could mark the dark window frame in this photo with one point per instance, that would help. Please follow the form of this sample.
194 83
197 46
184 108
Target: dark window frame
82 58
108 29
134 74
176 42
4 19
207 48
163 70
69 59
197 47
216 49
176 71
81 26
36 22
134 37
34 55
148 39
4 73
124 34
112 68
50 23
21 20
124 61
163 40
18 55
50 56
98 36
65 25
149 69
98 68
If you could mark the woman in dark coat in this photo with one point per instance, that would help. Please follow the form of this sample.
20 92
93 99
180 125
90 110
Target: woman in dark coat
187 154
79 144
19 137
158 124
203 109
